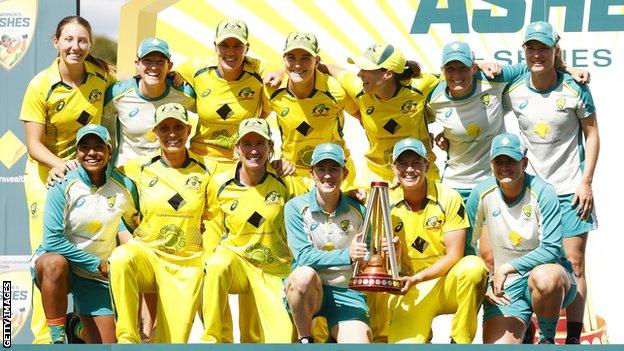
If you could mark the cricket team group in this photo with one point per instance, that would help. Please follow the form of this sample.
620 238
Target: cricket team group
154 198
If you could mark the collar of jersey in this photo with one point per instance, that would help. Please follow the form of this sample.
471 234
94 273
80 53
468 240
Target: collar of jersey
84 176
236 178
529 84
343 206
320 84
55 76
135 84
397 194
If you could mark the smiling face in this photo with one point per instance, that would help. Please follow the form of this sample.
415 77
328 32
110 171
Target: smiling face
374 80
73 43
231 53
410 169
459 78
93 154
300 66
153 68
328 176
254 151
540 57
172 134
508 171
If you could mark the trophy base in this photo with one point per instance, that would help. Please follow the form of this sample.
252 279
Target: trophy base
376 283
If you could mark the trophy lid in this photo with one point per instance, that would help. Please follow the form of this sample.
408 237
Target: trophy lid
379 183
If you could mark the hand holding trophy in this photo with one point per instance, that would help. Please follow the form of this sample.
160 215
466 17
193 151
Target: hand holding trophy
378 270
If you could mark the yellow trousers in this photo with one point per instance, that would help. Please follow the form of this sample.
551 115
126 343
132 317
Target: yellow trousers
459 292
227 273
136 268
35 177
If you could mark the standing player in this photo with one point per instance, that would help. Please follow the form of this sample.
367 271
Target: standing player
129 105
557 119
309 105
80 232
58 101
531 274
390 99
323 227
247 214
430 221
165 255
229 89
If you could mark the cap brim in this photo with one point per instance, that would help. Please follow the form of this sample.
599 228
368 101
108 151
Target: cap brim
401 151
149 51
307 49
513 154
93 133
264 135
238 37
467 62
363 63
339 162
162 119
541 38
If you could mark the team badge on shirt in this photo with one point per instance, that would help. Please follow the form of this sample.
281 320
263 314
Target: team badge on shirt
407 106
433 222
246 94
527 210
320 110
272 198
561 103
95 96
193 183
344 225
485 99
111 201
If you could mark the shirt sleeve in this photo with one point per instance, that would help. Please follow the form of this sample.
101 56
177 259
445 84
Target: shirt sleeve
33 106
476 219
54 239
456 217
303 250
550 247
351 83
585 105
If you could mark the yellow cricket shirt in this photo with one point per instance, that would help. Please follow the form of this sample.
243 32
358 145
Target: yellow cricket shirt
64 109
422 232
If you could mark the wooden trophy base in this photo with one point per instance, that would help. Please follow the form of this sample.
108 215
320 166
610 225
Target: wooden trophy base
376 282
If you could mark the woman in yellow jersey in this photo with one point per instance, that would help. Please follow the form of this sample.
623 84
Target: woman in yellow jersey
229 89
390 93
247 213
58 101
165 255
309 105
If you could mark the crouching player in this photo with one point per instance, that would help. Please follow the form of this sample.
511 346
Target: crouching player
531 272
323 228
